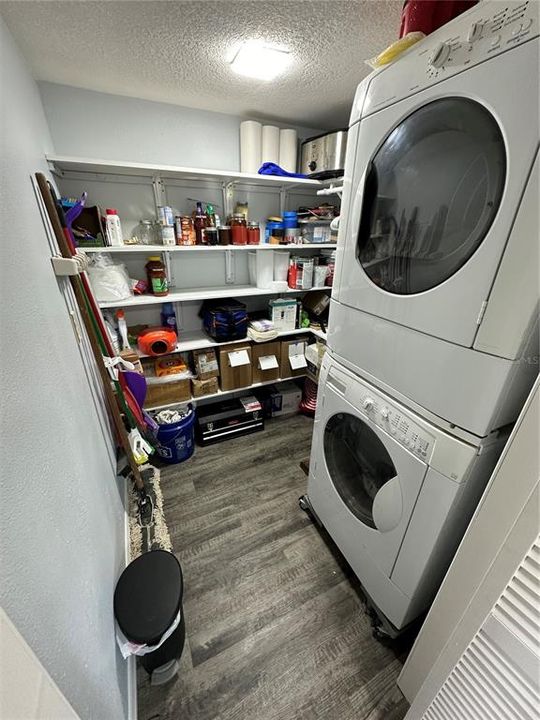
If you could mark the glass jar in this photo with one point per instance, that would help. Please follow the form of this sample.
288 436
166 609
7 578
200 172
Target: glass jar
224 234
144 233
253 233
210 236
239 230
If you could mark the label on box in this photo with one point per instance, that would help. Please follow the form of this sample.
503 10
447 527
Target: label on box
297 359
207 362
268 362
250 403
238 358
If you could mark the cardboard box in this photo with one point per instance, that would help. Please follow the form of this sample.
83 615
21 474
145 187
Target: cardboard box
293 360
314 356
199 388
206 363
282 313
235 366
287 399
168 392
266 359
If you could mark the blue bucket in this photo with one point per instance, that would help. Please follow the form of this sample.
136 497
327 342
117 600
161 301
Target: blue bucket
176 442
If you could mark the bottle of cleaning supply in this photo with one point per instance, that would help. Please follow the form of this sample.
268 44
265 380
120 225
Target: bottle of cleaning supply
168 316
114 228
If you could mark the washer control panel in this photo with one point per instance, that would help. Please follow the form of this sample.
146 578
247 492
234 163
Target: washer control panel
489 29
397 424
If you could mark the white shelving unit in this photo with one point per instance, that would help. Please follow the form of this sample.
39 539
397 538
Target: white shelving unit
220 394
62 164
211 293
153 249
136 188
199 340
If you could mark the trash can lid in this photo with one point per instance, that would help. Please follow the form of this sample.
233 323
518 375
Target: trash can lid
148 596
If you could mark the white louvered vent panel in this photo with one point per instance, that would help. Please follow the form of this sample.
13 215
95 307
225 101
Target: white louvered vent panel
519 606
496 678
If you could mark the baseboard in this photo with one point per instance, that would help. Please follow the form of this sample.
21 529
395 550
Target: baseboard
132 660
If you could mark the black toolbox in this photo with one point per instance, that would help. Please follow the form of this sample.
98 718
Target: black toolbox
228 419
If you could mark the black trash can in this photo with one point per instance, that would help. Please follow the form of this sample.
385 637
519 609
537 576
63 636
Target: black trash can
147 600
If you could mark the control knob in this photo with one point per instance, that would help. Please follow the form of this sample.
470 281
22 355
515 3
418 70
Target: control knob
440 55
385 413
475 32
367 404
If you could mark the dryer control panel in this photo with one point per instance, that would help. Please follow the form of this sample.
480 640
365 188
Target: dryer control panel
489 34
487 30
398 424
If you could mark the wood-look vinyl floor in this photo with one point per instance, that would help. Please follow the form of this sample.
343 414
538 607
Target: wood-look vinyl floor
275 627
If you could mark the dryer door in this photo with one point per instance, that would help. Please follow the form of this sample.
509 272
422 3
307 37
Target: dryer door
363 484
436 185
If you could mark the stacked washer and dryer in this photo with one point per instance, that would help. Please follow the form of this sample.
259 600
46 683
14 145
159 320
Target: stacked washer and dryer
433 329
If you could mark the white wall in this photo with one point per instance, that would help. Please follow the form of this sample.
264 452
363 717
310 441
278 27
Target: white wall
62 518
98 125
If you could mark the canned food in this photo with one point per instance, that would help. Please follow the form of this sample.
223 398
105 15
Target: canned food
165 215
187 230
167 235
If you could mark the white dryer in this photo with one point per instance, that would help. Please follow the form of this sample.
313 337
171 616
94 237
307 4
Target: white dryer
439 231
394 491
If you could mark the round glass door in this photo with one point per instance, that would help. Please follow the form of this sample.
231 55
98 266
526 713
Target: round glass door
358 463
431 194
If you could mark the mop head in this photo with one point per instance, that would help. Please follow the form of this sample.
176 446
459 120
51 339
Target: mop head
147 527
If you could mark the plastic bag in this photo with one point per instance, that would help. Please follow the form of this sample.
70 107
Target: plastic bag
128 648
395 50
110 281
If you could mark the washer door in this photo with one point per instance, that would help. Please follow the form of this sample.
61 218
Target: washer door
363 484
360 468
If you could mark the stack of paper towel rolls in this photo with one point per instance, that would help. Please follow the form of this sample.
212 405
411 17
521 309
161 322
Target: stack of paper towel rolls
266 143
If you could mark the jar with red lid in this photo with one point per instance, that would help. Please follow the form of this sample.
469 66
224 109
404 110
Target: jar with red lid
253 233
239 230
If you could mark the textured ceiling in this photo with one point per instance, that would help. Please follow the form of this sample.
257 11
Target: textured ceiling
176 52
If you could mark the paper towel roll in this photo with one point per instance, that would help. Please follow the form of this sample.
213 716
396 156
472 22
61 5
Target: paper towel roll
287 149
250 146
270 144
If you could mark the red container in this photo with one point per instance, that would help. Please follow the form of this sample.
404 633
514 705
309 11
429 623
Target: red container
239 230
253 233
428 15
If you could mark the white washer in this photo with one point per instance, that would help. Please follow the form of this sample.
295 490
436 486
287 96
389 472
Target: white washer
436 283
394 491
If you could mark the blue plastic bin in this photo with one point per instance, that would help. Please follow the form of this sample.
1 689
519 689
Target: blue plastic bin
176 442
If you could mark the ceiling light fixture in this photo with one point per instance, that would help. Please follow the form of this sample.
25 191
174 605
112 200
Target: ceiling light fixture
260 60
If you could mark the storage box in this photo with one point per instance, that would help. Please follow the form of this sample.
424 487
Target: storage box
282 313
233 375
287 399
206 364
228 419
168 392
293 360
265 360
199 388
314 356
269 398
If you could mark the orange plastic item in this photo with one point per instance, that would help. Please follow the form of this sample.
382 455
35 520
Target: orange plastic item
171 365
157 341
